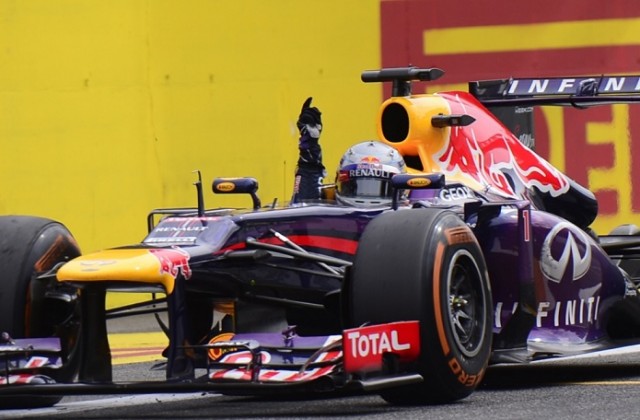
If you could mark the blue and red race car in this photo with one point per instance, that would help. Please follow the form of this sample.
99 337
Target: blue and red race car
484 256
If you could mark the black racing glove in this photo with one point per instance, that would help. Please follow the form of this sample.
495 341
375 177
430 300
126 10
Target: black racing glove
310 120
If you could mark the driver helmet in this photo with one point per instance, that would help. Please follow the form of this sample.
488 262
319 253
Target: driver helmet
363 178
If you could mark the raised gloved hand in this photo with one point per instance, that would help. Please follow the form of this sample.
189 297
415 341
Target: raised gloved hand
310 120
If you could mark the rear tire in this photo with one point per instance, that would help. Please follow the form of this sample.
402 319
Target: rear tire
626 230
29 247
630 266
426 265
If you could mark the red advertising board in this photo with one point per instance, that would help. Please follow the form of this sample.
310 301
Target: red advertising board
475 40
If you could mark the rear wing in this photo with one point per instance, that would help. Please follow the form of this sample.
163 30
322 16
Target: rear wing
580 92
512 100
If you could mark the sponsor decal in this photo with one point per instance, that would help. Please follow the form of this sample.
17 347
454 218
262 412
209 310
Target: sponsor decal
370 159
459 192
459 235
418 182
172 261
463 377
226 186
95 265
495 160
172 240
179 230
551 86
565 313
216 353
572 260
364 347
369 171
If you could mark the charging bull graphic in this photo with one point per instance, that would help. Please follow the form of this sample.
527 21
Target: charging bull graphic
172 261
495 159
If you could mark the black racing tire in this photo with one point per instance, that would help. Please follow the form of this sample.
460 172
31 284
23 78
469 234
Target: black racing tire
626 230
623 317
630 266
426 265
29 247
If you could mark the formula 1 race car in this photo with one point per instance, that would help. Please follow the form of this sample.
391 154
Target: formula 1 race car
484 256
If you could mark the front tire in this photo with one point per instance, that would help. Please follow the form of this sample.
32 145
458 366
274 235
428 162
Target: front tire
426 265
31 307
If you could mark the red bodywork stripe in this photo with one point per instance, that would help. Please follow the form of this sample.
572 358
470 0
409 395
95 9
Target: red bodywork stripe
346 246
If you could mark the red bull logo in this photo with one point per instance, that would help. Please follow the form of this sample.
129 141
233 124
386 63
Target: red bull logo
494 158
370 159
172 261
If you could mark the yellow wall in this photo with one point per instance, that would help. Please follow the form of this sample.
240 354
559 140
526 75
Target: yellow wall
106 107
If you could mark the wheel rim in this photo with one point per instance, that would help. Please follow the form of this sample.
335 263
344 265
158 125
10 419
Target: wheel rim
467 303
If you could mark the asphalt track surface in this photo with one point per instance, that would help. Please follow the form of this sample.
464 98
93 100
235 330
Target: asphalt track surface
604 387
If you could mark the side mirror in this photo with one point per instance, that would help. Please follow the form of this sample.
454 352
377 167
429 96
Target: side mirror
414 182
238 186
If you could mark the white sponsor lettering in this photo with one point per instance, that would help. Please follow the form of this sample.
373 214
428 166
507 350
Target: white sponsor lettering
565 84
456 193
369 172
172 240
514 86
614 84
181 229
588 86
557 314
538 86
364 345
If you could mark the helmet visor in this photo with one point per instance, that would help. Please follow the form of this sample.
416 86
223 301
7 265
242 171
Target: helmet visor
366 188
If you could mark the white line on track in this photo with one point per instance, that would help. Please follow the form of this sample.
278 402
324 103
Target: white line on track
97 404
618 351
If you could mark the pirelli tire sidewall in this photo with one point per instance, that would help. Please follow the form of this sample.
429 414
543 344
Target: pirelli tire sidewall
460 361
408 266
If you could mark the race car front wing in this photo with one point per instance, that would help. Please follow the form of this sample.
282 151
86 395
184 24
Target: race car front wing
361 360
